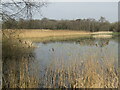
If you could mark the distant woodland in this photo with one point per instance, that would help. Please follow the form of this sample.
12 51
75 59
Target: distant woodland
90 24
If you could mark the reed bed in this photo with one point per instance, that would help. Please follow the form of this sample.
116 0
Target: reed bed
17 75
15 61
20 70
88 74
49 33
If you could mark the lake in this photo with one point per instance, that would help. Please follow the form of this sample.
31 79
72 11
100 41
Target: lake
80 63
80 50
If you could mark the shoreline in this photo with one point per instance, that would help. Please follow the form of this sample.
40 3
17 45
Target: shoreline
54 35
40 35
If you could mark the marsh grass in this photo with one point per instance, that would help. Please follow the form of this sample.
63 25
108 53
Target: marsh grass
16 74
50 33
90 73
15 58
58 38
12 45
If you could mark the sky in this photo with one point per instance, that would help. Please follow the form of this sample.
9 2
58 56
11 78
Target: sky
80 10
69 0
84 0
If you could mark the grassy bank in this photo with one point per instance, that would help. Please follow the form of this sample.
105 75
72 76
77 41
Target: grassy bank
48 35
54 35
62 33
15 61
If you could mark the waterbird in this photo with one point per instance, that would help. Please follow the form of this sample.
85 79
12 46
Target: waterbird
53 49
107 42
96 45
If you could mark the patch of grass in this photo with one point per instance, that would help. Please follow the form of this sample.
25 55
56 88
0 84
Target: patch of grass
12 45
49 33
88 74
16 74
57 38
15 62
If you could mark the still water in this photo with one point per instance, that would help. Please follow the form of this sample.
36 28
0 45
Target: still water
80 50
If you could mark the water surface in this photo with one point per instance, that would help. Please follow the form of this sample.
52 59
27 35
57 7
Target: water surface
80 50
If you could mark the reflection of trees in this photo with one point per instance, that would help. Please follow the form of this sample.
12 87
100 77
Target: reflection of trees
88 42
94 42
103 42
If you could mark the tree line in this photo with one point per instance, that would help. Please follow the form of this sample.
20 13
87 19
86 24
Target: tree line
79 24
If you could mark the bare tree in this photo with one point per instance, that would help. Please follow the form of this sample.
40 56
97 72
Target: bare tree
21 9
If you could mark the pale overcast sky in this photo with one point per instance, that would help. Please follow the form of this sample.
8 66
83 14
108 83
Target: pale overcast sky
75 10
68 0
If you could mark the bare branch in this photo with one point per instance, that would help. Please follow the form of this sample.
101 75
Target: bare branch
23 9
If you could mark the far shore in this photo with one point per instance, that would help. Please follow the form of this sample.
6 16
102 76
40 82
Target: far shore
52 35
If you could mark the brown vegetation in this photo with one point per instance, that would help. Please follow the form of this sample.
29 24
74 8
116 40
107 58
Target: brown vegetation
87 74
53 33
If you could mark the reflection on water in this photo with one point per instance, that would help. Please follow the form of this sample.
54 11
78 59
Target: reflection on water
76 50
35 69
